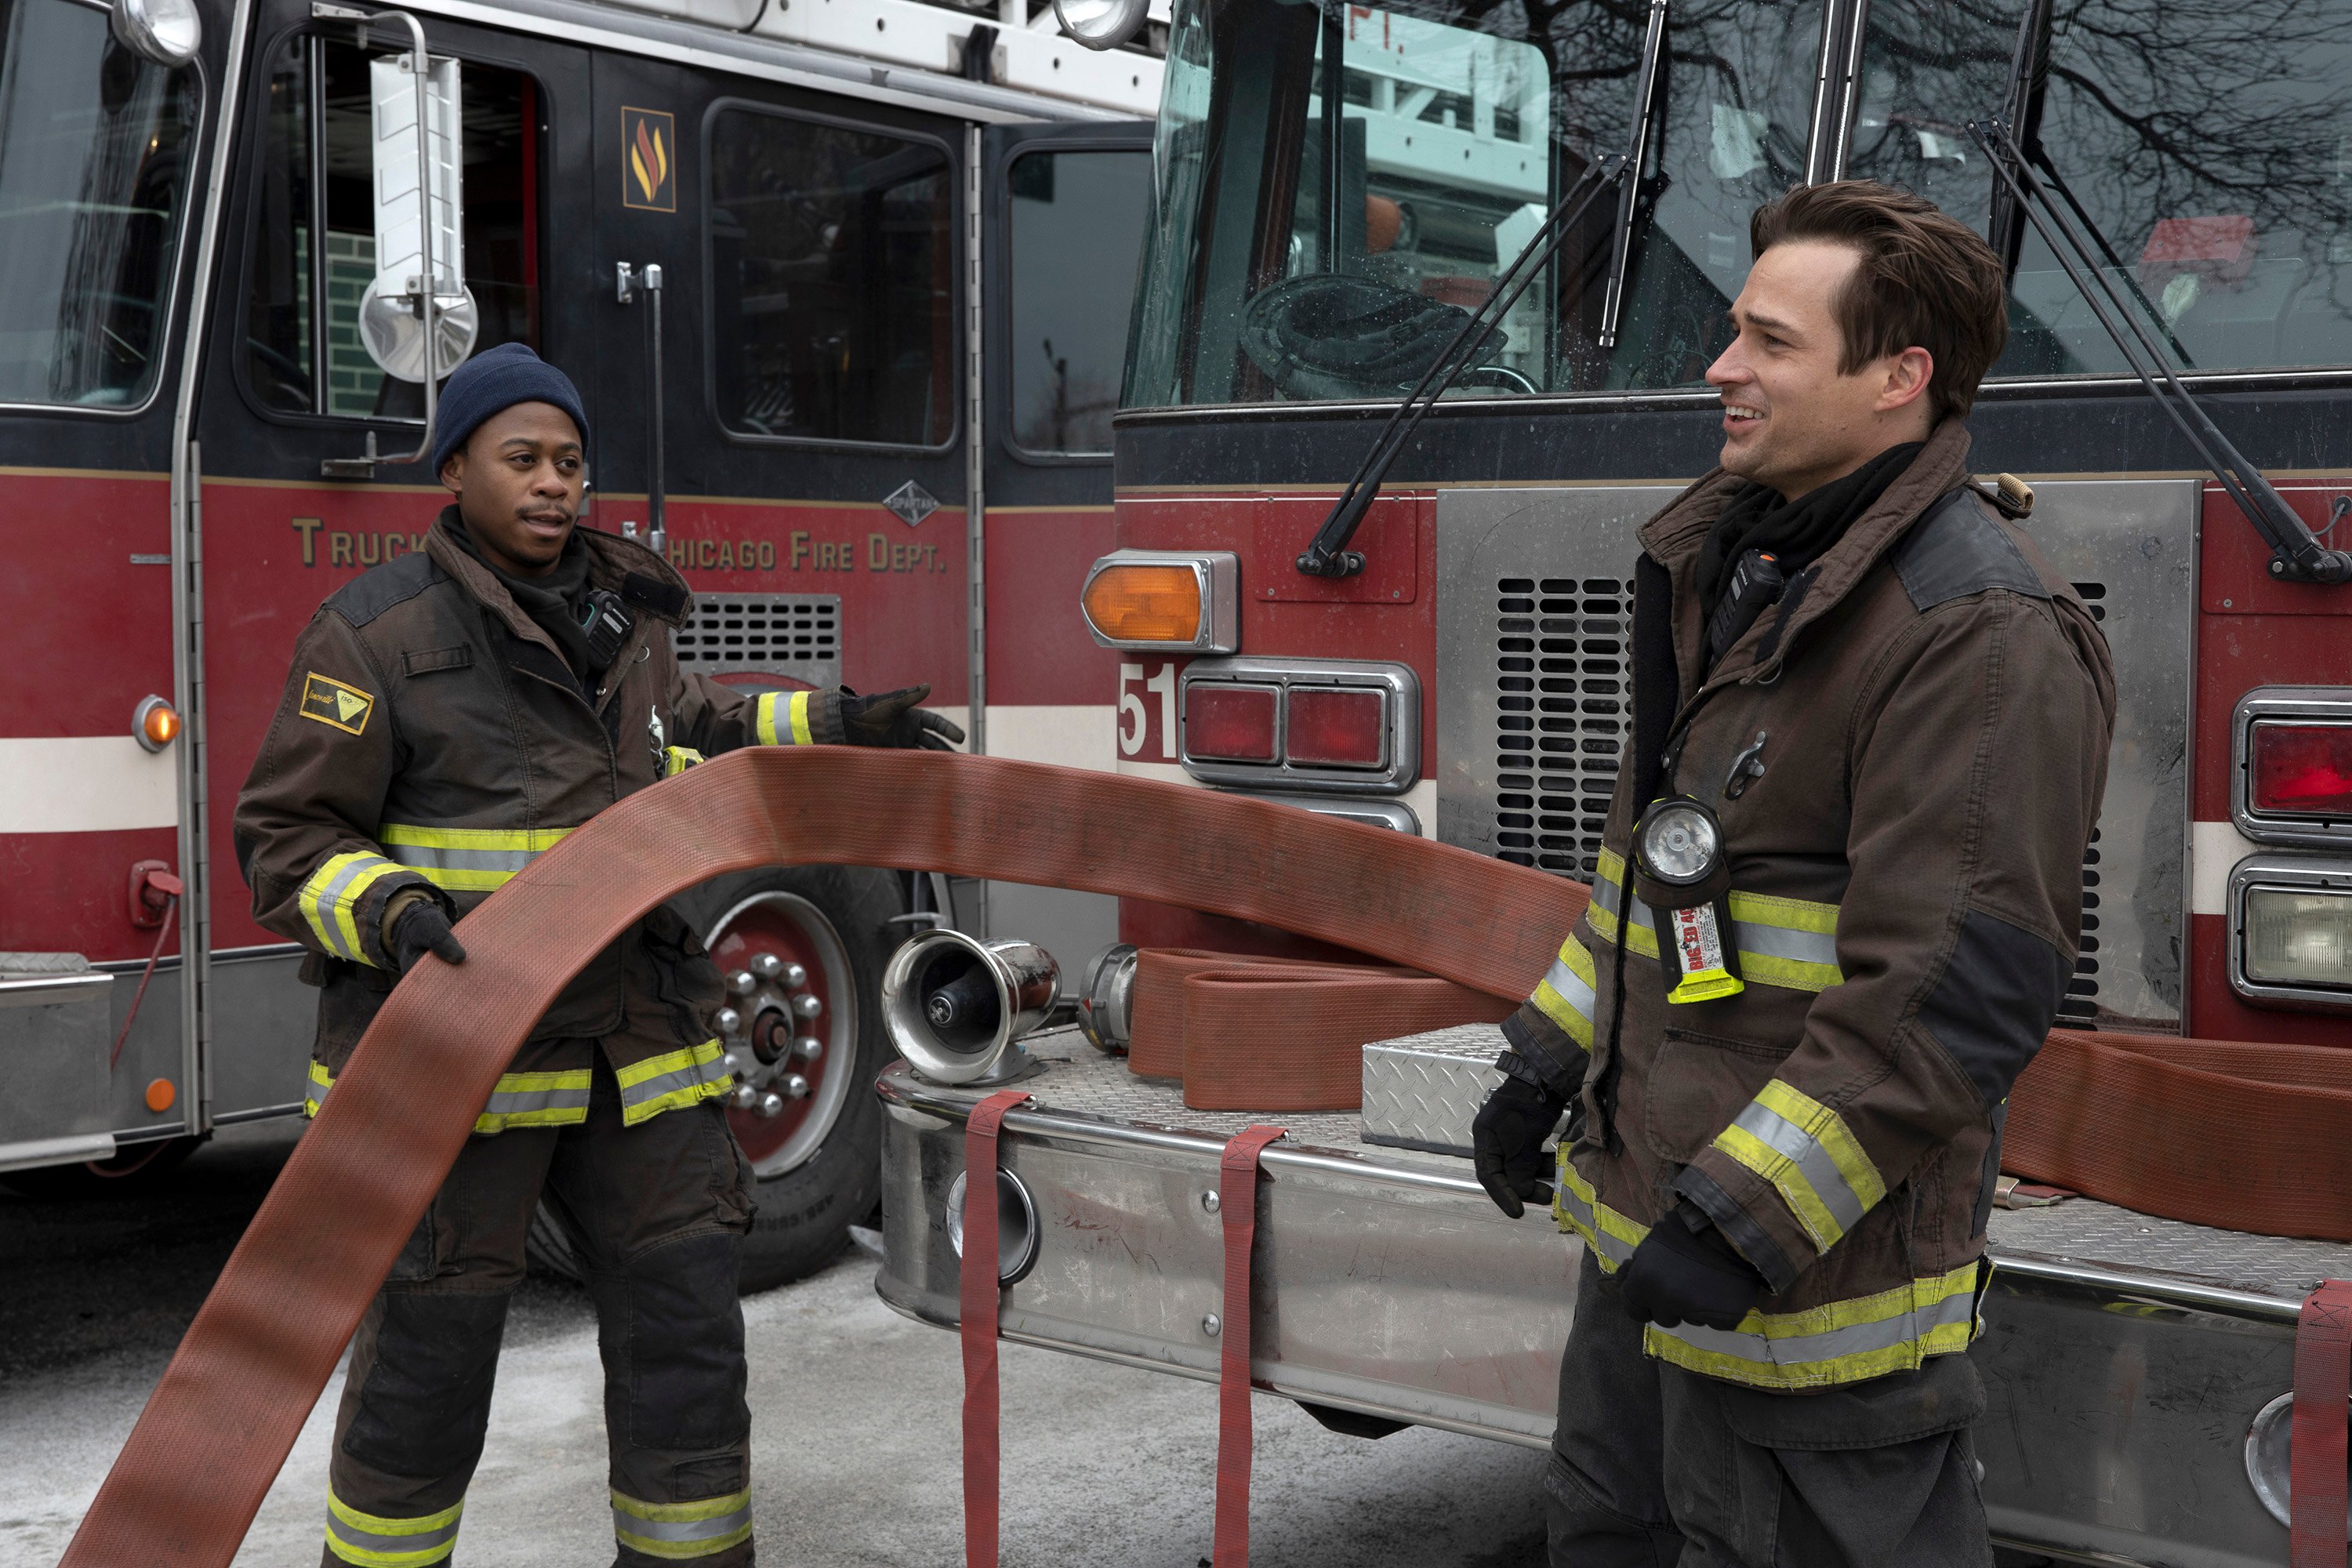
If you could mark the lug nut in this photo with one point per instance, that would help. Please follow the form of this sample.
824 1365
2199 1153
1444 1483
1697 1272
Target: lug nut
772 1105
744 1098
796 1087
807 1005
795 976
808 1047
743 983
767 965
733 1063
730 1021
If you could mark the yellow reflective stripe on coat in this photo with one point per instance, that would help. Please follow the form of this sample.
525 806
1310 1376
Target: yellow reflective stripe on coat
466 859
681 1530
672 1079
1565 993
1810 1157
378 1542
1843 1341
1576 1206
322 1080
782 719
675 760
1788 943
535 1099
330 899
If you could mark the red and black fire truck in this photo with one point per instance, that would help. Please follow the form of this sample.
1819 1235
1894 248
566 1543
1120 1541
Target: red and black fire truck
873 430
1307 506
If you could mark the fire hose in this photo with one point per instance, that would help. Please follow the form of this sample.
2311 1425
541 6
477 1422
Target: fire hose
2245 1136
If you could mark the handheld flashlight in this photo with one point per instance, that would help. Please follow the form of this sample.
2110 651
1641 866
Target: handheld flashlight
1680 870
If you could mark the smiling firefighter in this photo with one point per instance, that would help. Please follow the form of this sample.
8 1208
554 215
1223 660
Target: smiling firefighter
1835 911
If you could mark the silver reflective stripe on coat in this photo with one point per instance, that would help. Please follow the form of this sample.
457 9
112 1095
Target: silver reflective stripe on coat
1923 1324
433 858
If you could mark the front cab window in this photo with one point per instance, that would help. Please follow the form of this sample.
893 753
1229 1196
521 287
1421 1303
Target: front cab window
95 149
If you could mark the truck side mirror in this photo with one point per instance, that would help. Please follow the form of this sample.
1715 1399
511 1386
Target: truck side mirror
391 313
1101 24
168 32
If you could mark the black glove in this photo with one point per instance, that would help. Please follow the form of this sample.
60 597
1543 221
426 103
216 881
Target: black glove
893 720
1685 1272
421 928
1506 1142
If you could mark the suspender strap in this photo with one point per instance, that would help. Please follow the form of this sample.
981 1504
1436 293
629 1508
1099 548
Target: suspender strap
2323 1381
978 1296
1237 1202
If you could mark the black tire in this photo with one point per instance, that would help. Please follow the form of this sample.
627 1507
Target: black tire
805 1210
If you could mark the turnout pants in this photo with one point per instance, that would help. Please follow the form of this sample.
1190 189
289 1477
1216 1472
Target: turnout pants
657 1213
1653 1466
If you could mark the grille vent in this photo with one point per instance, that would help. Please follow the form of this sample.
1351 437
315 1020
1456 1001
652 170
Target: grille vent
797 635
1563 665
1563 679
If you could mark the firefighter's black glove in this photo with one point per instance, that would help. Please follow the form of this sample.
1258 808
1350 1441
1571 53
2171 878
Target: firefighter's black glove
421 928
1507 1139
893 720
1685 1272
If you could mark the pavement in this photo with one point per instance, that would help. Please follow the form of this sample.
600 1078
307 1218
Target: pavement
856 1424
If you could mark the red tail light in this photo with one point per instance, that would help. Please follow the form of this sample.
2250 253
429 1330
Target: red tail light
1339 727
1229 723
2301 770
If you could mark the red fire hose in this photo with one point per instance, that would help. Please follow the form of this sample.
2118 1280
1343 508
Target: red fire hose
2137 1123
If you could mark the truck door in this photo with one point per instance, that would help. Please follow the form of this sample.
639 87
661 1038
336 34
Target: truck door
1067 208
811 388
291 387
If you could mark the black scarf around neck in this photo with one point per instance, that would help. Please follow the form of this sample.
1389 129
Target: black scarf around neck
554 602
1799 532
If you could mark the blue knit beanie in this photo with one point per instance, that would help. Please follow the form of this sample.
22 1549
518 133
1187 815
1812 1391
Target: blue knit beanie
492 381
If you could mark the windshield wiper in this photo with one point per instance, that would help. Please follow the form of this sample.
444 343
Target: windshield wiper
2029 76
2296 555
1327 555
1645 111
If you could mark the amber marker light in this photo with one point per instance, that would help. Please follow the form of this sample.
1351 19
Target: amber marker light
1185 602
155 723
1145 604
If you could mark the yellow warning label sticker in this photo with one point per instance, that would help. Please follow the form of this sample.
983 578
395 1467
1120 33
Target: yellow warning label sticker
329 702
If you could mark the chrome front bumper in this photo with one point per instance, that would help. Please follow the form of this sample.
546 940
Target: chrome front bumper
2125 1357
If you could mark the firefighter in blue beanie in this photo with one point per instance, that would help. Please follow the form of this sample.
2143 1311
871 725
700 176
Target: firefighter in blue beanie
449 715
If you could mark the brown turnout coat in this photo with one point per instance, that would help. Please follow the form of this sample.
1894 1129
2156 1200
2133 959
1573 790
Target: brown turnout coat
1907 756
430 740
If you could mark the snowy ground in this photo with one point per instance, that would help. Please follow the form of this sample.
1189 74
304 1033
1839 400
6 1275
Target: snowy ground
855 1416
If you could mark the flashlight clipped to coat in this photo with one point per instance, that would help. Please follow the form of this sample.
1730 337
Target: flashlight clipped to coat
1681 872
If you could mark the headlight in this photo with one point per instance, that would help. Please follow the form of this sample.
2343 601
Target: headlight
2291 938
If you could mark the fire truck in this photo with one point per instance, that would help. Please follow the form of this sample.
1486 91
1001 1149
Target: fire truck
895 242
1554 201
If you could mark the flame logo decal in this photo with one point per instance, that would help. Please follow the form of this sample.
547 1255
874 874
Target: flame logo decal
646 136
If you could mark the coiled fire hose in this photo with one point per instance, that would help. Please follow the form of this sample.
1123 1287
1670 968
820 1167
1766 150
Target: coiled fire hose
2245 1136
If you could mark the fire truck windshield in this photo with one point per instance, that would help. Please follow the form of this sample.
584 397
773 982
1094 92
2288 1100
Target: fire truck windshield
2209 143
95 144
1460 125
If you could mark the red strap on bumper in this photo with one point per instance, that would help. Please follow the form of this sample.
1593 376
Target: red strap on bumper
2323 1382
1237 1201
979 1294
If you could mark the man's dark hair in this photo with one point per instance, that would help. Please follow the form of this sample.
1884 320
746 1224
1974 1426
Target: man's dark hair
1926 281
